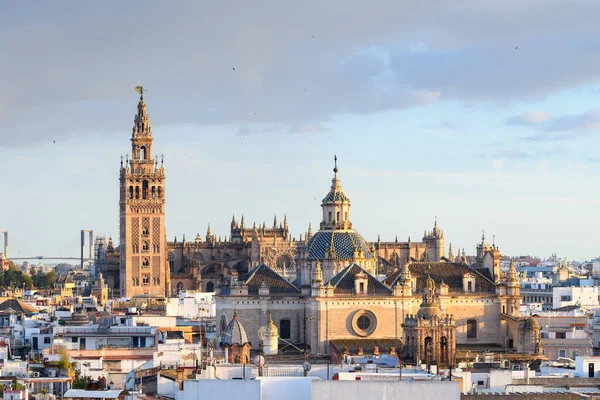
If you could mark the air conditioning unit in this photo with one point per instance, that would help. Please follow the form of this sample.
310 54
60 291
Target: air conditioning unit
36 374
164 366
506 364
173 366
52 373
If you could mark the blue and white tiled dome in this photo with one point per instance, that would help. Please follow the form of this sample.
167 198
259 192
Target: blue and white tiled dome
235 332
342 243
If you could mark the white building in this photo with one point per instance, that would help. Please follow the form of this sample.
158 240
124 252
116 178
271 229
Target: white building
584 296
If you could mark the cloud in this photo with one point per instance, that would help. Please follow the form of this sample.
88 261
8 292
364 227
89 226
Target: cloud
68 74
307 128
532 118
568 127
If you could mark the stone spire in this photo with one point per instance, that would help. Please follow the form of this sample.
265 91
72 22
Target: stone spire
512 277
242 222
285 222
309 233
275 222
141 124
336 205
450 254
209 234
233 223
317 275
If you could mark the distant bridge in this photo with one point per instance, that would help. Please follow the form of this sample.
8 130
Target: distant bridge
50 258
82 258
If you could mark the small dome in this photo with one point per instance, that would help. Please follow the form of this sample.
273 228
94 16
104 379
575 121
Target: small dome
428 310
235 332
345 243
531 323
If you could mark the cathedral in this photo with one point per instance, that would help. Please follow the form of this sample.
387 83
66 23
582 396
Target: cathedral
328 290
347 294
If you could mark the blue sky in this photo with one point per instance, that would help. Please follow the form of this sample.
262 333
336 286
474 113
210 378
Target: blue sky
484 114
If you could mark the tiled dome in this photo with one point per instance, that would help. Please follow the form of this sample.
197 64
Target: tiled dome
343 243
235 332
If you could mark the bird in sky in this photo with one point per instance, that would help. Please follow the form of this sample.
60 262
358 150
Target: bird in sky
234 69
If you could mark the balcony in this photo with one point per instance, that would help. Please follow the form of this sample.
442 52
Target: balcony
116 353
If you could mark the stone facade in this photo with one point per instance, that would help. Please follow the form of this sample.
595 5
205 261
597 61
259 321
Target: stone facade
337 296
143 267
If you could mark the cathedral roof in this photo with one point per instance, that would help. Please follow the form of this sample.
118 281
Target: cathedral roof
263 274
343 282
336 194
235 332
451 273
343 244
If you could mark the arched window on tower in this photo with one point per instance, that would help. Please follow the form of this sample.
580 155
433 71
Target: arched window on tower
337 218
329 216
142 153
130 192
153 192
159 192
145 190
137 192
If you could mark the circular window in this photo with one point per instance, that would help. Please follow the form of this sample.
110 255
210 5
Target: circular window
364 323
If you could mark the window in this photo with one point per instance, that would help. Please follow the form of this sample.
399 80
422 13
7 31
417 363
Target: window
146 262
145 279
362 288
562 353
137 192
179 287
329 216
337 218
579 328
47 340
130 192
565 298
210 287
146 245
285 329
145 189
469 286
363 322
561 335
471 329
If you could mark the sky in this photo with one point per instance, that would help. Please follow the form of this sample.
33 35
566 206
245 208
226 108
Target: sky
484 114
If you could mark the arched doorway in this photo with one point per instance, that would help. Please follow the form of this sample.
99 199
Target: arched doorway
210 287
179 287
444 350
428 350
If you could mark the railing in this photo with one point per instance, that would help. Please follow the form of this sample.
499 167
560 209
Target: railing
277 371
114 330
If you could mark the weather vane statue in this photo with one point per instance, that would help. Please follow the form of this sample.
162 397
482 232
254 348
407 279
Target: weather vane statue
140 89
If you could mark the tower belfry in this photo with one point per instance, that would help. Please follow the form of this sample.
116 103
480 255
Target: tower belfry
143 248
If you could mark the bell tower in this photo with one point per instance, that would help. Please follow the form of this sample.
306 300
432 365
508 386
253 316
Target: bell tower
143 251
